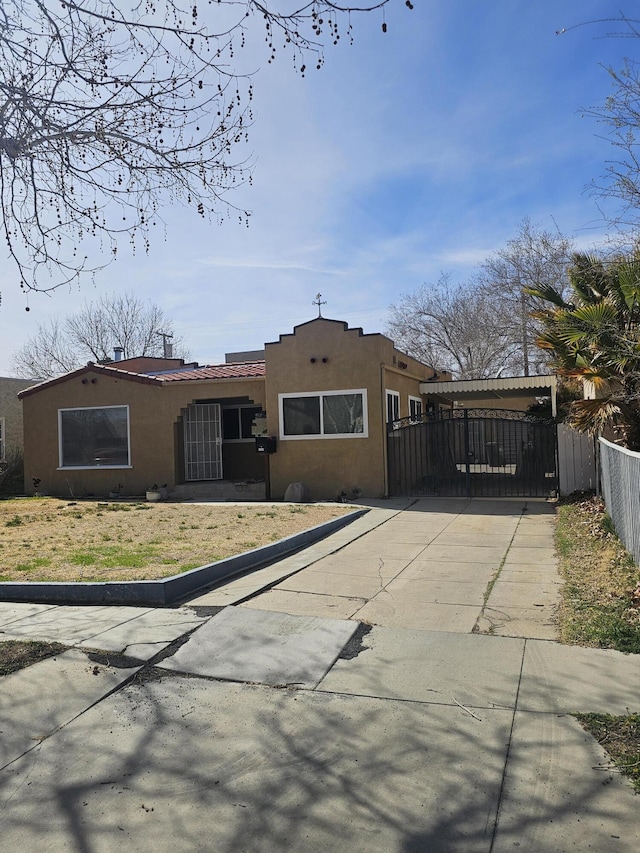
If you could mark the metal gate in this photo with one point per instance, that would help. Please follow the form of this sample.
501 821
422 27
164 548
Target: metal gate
203 442
473 453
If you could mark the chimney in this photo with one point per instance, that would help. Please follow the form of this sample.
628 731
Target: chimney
118 352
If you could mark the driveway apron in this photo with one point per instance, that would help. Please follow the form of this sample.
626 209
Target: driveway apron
397 687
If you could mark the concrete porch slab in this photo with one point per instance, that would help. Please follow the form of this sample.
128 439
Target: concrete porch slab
263 647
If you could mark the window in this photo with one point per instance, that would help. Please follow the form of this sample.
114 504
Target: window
415 408
94 438
237 422
329 414
393 407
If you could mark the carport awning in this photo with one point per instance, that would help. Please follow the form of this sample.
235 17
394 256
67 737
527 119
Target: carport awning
494 389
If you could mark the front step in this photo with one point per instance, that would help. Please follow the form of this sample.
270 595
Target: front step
221 490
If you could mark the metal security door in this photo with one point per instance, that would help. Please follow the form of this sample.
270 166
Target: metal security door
203 442
473 453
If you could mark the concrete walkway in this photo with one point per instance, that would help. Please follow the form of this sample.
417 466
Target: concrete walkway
396 687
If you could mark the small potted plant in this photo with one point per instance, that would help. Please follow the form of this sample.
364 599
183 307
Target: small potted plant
153 493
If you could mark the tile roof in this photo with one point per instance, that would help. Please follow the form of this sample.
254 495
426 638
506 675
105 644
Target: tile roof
239 370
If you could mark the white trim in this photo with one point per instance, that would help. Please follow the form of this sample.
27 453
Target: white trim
417 400
395 395
321 435
62 467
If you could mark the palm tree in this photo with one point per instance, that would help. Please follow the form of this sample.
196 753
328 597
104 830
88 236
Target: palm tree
594 335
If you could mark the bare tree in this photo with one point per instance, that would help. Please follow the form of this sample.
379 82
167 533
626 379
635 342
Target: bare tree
533 258
453 327
119 320
109 110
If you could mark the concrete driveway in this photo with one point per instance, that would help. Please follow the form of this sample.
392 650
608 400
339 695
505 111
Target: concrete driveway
396 687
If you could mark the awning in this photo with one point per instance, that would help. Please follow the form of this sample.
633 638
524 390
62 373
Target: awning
495 389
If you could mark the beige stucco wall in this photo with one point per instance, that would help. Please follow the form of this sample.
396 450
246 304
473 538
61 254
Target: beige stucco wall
154 414
11 411
354 361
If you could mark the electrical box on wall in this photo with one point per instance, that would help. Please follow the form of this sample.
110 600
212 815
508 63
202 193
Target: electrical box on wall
266 443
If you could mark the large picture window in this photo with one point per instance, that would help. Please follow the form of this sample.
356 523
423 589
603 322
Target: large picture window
94 438
329 414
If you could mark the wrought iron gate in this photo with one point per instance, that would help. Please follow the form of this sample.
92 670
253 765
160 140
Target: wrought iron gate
473 453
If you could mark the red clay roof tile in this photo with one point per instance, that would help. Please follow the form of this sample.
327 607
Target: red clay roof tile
240 370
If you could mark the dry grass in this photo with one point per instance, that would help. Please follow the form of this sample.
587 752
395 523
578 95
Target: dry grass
601 595
46 539
620 737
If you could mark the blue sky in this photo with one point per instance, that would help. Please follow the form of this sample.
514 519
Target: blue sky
410 153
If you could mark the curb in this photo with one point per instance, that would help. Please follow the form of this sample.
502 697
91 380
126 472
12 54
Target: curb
157 593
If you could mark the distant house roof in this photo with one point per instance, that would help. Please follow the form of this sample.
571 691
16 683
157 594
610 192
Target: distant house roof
241 370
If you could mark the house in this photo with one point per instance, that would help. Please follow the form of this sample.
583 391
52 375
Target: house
318 399
11 414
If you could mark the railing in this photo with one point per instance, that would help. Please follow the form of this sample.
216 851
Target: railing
461 414
621 491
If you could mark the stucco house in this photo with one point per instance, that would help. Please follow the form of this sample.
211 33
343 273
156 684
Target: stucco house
11 414
313 407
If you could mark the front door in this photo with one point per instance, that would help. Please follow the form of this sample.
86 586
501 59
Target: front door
203 442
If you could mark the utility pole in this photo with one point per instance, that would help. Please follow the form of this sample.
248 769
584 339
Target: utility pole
167 346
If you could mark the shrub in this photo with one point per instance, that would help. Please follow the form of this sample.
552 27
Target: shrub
12 474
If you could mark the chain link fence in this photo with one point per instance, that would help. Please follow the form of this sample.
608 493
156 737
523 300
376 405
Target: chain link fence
621 492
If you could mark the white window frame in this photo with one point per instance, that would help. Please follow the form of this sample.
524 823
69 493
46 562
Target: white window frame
415 416
321 435
3 443
395 396
62 467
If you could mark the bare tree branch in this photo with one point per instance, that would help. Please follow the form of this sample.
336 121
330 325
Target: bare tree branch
109 111
117 320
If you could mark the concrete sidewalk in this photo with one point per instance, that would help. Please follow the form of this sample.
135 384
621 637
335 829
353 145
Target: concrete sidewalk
395 690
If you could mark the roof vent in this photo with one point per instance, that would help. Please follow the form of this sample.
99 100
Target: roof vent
118 353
